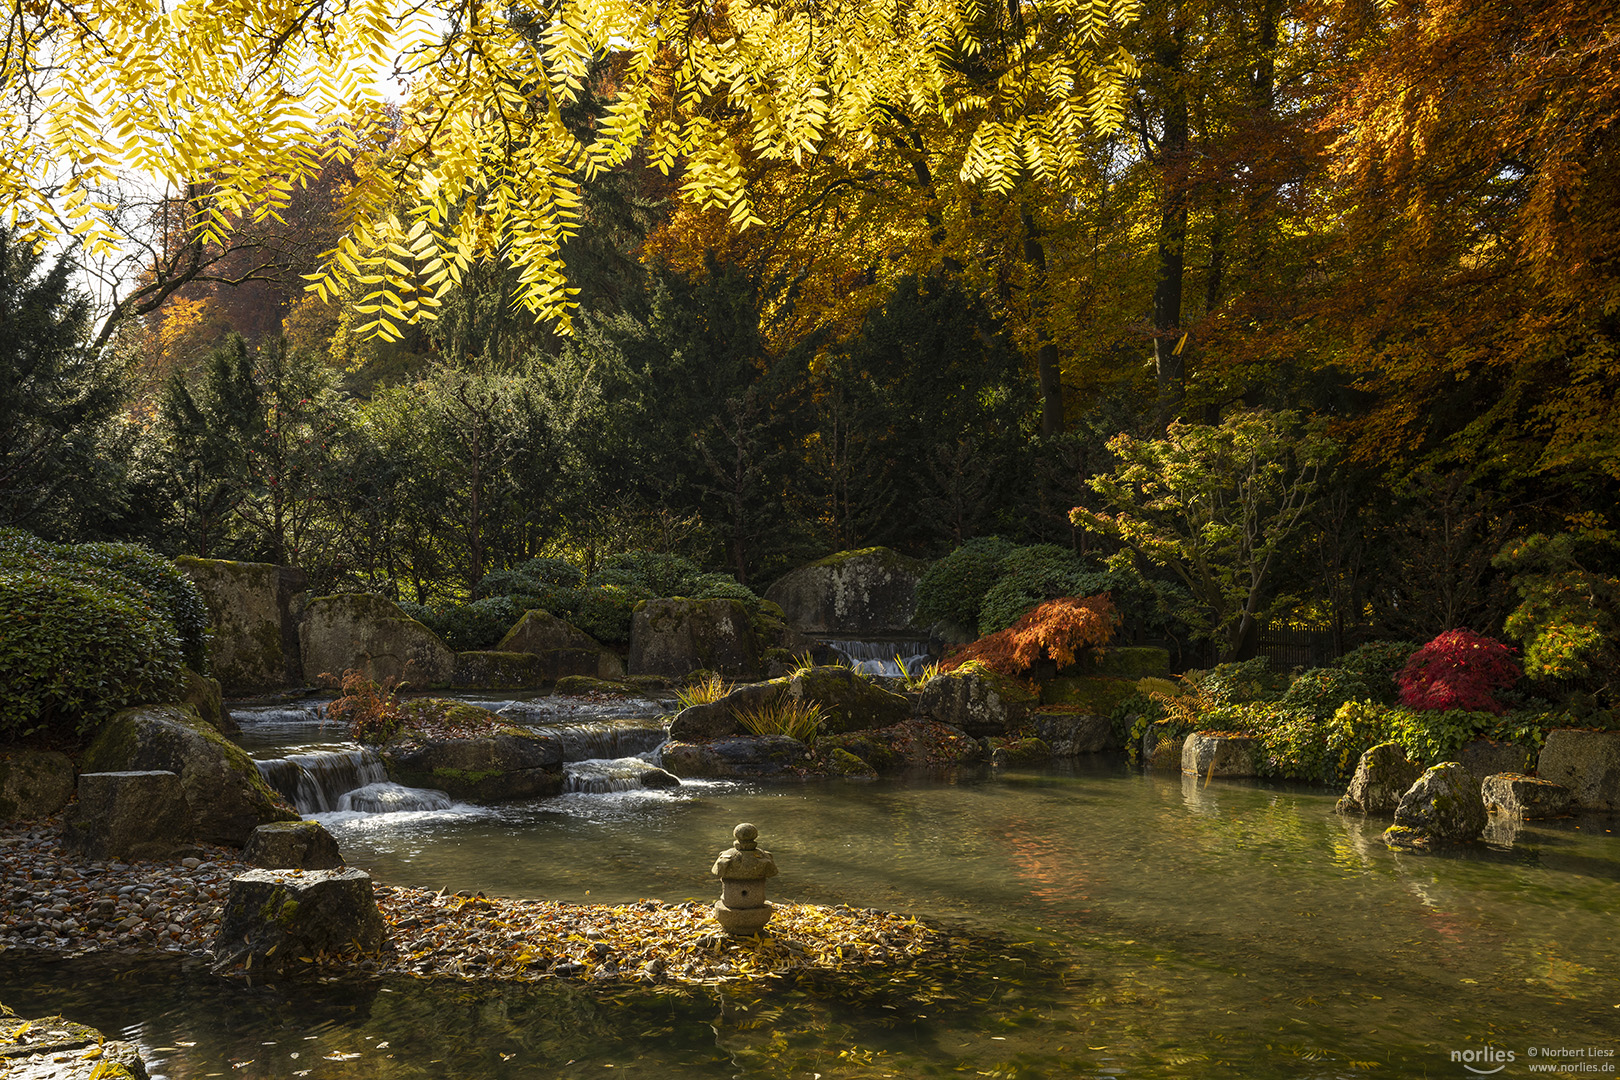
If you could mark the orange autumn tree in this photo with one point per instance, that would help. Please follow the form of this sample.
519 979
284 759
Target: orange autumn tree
1056 631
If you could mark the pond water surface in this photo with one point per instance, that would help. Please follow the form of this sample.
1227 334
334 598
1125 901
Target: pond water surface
1125 925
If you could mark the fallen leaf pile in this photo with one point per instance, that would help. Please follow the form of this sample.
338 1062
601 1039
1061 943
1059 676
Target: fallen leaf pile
476 937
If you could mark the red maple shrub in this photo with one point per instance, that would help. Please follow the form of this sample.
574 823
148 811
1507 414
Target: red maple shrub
1055 630
1458 670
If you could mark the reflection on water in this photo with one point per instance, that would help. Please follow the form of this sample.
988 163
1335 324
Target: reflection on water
1174 929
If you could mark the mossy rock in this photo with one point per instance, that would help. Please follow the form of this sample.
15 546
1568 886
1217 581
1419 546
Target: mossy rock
33 783
848 702
204 695
254 610
741 757
372 635
1019 753
55 1047
1091 693
673 636
503 763
562 648
494 670
838 762
867 746
868 591
228 797
976 699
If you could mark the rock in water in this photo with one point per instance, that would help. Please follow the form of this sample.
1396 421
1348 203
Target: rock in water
1525 796
1586 762
1443 807
292 845
228 796
275 919
128 815
1206 754
371 634
979 701
1382 776
59 1049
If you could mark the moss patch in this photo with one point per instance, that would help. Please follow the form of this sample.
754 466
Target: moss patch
1097 694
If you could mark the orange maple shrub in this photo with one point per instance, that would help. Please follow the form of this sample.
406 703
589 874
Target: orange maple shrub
1057 630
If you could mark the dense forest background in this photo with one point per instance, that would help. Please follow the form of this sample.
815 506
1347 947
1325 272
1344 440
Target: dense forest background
1394 231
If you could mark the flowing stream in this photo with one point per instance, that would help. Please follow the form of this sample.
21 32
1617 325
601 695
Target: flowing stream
1126 925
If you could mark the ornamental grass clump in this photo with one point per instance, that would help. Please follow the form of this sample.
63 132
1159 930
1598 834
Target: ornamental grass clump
703 692
1458 670
1056 630
787 716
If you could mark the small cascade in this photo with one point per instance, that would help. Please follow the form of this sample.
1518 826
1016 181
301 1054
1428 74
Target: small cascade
893 658
387 797
601 776
607 738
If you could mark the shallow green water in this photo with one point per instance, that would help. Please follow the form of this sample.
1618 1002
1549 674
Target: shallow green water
1139 926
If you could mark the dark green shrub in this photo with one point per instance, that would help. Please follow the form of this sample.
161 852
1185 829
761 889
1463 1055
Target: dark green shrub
551 571
728 588
954 587
1239 682
604 613
73 652
1377 663
507 583
1320 691
1029 576
478 625
658 574
1131 718
143 576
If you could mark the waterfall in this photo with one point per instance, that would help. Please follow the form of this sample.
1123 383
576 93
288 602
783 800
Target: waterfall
607 738
315 781
390 798
883 657
600 776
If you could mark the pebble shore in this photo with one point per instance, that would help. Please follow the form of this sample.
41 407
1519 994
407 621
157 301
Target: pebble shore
55 900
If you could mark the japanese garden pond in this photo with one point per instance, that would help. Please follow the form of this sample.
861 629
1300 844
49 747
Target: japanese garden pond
1123 925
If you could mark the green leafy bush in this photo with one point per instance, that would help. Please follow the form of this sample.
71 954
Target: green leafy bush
954 587
1131 718
1377 663
507 583
1238 682
654 573
143 576
604 613
478 625
1320 691
73 652
552 571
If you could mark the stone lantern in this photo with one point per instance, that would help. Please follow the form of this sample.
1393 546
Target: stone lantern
742 870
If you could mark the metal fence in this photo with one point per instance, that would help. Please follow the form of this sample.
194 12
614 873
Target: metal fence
1287 648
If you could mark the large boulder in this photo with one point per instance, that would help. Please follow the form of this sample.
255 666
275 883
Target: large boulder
490 670
1586 762
1524 796
128 815
1443 807
275 920
1383 774
1487 757
979 701
741 757
372 635
228 797
674 637
33 783
1025 752
1070 734
847 701
52 1048
254 609
206 696
1207 754
870 591
562 648
492 762
720 718
913 744
292 845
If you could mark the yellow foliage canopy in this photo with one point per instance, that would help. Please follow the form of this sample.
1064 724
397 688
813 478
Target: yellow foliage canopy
250 97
